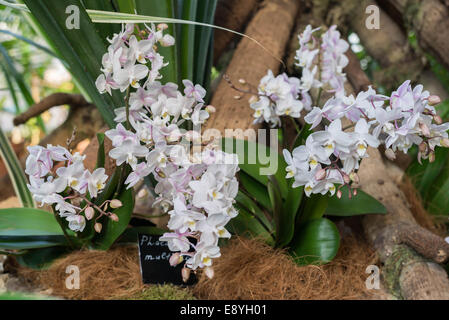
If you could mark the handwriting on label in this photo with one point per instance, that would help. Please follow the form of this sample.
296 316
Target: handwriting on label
163 256
145 240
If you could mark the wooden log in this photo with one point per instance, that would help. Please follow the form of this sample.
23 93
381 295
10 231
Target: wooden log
271 26
407 250
430 21
231 14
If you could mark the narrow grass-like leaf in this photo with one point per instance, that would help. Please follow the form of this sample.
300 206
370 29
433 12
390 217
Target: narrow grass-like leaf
82 56
29 41
203 38
15 172
105 30
187 40
101 154
165 9
99 16
11 88
23 87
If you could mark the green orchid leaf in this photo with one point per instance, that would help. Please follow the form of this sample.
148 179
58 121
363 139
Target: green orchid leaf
101 156
258 161
255 189
250 206
113 229
360 204
246 224
288 215
316 242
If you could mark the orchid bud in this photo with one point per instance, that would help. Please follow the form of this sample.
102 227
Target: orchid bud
89 213
320 174
252 100
185 272
242 81
346 178
210 109
431 157
354 177
419 157
434 100
209 272
143 193
389 153
175 259
425 129
192 136
162 26
98 226
445 142
237 97
339 194
437 119
115 203
354 192
113 217
167 41
422 147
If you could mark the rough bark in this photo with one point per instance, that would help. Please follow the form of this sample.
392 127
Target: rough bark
271 26
396 236
430 21
231 14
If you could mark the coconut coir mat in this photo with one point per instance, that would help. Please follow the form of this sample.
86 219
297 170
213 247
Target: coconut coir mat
248 269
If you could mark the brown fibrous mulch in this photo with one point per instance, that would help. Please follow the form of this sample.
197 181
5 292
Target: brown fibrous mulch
248 269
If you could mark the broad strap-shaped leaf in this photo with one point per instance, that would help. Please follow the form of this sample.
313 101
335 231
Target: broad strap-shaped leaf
439 203
316 242
258 161
255 189
41 258
246 224
28 222
251 207
314 208
81 48
425 175
276 202
27 228
360 204
113 229
288 215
